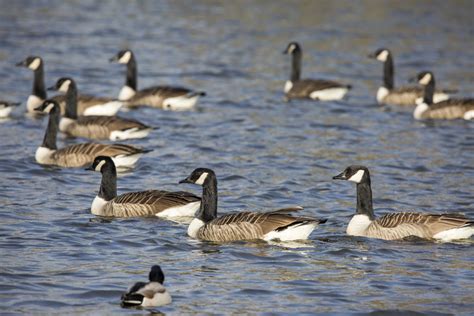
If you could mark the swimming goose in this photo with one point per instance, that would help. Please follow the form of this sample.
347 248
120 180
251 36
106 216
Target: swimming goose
324 90
277 224
87 105
448 109
6 108
148 294
79 155
145 203
443 227
164 97
406 96
95 127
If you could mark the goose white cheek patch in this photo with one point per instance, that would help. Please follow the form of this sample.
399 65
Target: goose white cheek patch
357 177
99 165
35 64
382 56
65 86
201 179
425 80
125 58
49 108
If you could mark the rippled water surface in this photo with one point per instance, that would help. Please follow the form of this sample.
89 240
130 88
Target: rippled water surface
57 258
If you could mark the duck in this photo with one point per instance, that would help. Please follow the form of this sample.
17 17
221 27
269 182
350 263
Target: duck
274 225
79 155
148 294
6 108
404 96
95 126
392 226
87 105
315 89
164 97
446 110
135 204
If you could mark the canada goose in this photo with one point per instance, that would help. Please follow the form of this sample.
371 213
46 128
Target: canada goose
79 155
444 227
448 109
87 105
277 224
324 90
95 127
164 97
148 294
6 108
405 96
145 203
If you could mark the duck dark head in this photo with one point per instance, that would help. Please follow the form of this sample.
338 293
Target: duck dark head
48 106
200 176
122 57
156 274
32 62
292 48
380 54
100 163
354 173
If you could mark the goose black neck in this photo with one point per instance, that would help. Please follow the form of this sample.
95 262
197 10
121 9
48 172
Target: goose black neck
71 101
108 185
429 91
39 89
296 57
364 199
49 140
208 209
131 80
388 73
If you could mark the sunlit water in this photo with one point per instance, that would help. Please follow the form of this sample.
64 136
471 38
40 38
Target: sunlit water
56 258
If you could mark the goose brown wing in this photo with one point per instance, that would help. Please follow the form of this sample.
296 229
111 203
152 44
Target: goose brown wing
81 154
163 91
159 199
113 123
264 222
303 88
435 222
451 109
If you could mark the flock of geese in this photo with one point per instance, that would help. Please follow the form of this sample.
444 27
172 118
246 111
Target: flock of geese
95 118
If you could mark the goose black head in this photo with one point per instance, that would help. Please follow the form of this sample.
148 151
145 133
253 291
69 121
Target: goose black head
48 106
425 77
100 162
354 173
156 274
380 54
200 176
32 62
122 57
293 47
62 84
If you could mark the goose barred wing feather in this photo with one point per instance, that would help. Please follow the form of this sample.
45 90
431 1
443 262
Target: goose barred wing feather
248 225
82 154
450 109
113 123
303 88
400 225
147 203
100 127
154 96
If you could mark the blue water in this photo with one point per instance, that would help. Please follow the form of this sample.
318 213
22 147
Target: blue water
57 258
